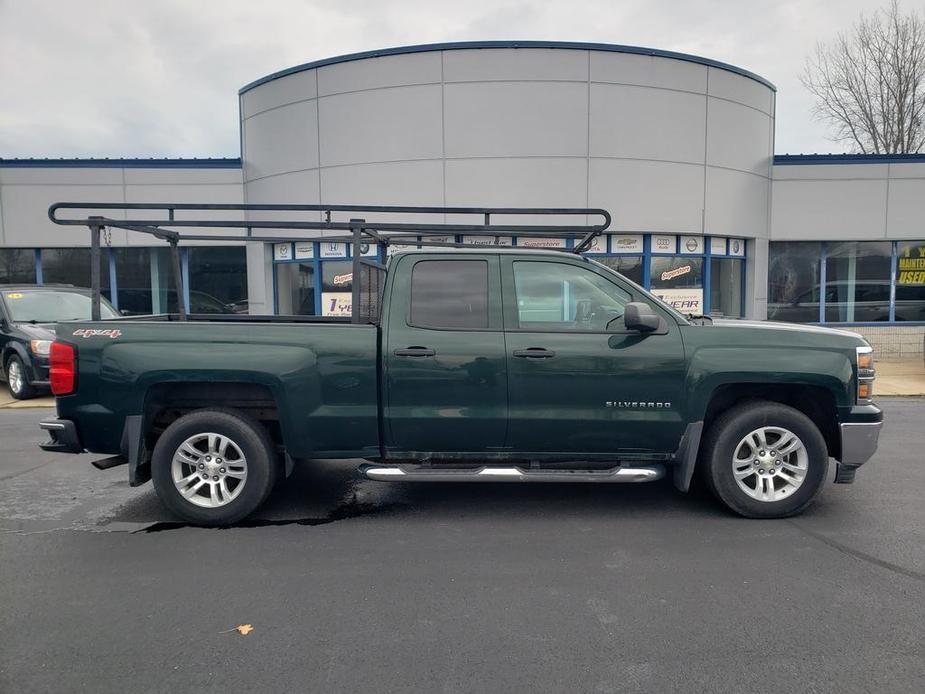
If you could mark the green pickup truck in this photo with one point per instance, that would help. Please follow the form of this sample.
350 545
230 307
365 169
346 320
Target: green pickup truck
485 364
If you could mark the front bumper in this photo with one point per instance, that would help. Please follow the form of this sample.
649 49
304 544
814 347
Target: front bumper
860 433
64 438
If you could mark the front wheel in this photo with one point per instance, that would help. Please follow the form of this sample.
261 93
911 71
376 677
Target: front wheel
765 460
213 467
17 380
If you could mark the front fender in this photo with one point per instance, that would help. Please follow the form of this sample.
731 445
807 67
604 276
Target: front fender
712 367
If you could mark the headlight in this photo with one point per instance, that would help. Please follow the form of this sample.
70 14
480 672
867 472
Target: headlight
866 374
41 347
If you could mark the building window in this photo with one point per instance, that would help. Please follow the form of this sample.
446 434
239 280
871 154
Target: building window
450 294
296 295
17 266
846 282
678 281
629 266
726 287
793 281
910 281
217 275
72 266
857 282
336 288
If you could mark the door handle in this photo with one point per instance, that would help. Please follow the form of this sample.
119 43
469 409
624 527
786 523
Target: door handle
534 353
414 352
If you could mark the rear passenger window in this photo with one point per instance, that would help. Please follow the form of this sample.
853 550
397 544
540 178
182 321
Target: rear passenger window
450 294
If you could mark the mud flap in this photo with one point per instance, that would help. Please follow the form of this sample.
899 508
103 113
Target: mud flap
686 456
133 445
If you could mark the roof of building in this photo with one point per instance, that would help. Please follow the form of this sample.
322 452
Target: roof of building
786 159
462 45
129 163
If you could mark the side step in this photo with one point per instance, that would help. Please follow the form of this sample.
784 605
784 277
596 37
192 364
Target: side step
416 473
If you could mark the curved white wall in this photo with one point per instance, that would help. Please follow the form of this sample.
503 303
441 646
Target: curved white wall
667 145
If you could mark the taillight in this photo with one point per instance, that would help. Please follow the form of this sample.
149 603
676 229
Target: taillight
62 374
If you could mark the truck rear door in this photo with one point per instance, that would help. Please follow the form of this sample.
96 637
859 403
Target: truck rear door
445 371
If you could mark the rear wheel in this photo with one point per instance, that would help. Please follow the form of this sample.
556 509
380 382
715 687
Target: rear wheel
17 380
765 460
213 467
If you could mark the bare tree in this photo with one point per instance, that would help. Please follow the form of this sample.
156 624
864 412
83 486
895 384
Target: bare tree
869 83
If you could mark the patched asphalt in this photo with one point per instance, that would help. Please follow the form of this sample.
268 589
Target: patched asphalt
356 585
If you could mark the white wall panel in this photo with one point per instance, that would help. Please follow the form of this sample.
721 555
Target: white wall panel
738 137
729 85
643 123
25 213
736 204
648 195
646 70
785 172
281 140
516 119
381 125
285 90
374 73
806 210
534 182
78 175
394 183
183 192
491 64
297 188
906 211
183 177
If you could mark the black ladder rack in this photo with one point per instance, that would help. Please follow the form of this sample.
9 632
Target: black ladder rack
168 217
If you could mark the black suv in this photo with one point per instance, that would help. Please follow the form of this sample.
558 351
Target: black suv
28 314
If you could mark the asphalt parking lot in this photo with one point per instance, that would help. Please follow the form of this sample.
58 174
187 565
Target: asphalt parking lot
355 585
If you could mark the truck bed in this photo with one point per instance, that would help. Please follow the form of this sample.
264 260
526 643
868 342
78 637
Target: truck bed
322 374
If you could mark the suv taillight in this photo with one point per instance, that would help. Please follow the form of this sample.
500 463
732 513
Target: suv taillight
62 374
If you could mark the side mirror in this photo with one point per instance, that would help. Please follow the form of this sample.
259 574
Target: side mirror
639 316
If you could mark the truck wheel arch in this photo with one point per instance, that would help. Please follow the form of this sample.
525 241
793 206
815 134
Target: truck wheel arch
816 402
167 401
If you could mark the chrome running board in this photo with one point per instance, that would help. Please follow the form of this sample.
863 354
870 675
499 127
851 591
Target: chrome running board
417 473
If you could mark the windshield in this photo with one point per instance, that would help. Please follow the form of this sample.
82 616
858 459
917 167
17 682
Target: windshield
49 306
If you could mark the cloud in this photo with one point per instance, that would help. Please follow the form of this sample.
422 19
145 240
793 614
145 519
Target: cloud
140 78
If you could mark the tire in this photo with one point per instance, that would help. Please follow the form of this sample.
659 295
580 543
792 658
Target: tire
210 503
17 379
755 480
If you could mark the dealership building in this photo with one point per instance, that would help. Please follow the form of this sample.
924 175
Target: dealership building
679 148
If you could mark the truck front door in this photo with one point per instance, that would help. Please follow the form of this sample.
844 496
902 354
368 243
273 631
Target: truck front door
445 372
578 381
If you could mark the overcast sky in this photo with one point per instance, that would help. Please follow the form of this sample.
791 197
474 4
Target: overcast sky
160 77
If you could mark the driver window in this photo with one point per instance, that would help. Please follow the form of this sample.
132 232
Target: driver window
565 298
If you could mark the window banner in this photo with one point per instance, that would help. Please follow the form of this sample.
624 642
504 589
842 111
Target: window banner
304 249
626 243
910 268
682 300
336 304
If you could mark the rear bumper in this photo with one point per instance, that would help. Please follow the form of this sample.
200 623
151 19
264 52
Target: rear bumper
63 436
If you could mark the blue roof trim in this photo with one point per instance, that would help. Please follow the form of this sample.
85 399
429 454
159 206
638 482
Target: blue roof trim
787 159
206 163
457 45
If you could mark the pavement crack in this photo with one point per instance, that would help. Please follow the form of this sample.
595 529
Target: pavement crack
342 512
858 554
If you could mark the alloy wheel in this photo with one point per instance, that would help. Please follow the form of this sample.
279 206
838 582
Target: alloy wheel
209 470
770 464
